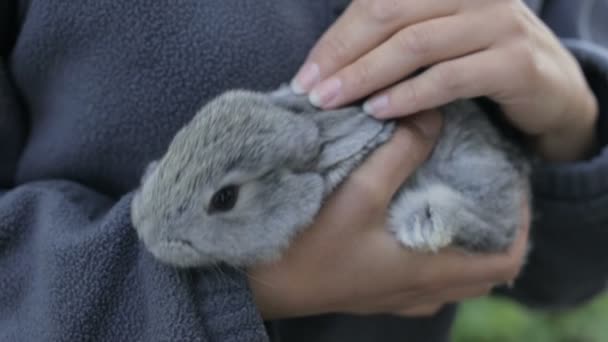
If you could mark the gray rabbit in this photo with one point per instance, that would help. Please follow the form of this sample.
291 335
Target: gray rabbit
251 170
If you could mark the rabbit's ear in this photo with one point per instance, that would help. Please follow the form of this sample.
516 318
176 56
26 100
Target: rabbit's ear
345 133
342 132
284 97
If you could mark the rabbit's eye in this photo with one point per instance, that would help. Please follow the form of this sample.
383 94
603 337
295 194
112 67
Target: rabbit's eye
225 199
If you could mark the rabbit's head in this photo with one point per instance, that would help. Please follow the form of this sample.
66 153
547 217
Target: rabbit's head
234 185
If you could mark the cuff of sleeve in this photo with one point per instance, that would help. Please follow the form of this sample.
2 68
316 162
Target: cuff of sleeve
583 180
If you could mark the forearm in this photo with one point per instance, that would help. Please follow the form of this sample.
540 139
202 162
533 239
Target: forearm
568 263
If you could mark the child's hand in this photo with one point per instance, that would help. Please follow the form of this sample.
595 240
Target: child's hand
494 48
349 262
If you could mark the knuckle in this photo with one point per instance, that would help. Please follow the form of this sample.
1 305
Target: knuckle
528 61
412 136
335 49
410 90
518 26
520 23
448 78
417 140
520 19
362 73
369 191
380 10
415 40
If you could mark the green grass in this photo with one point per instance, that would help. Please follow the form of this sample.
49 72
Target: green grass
501 320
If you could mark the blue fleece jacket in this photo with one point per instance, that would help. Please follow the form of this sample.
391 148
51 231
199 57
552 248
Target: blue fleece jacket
92 90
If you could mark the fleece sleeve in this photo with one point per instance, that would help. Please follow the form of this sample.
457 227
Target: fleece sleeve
568 263
72 268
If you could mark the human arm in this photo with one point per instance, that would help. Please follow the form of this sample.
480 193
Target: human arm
347 261
515 60
555 107
570 229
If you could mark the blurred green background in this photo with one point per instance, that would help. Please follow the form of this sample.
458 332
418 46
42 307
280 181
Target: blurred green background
500 320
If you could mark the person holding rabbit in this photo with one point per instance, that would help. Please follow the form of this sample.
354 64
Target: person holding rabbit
91 92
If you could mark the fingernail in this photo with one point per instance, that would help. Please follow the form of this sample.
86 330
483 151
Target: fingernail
325 93
376 105
306 78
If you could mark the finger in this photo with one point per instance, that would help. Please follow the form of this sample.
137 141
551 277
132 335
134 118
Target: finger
459 267
416 46
364 25
387 169
421 298
403 270
458 294
420 311
470 76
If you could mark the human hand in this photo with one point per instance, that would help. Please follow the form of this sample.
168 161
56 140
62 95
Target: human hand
348 262
493 48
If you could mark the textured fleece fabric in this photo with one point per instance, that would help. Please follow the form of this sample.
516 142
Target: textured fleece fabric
92 90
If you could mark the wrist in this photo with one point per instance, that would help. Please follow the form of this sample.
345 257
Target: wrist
281 294
576 140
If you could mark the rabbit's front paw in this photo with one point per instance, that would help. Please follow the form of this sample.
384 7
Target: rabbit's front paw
425 218
422 229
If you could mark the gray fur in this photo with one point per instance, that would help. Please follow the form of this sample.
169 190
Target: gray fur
287 156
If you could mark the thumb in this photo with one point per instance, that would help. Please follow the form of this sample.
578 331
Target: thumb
390 166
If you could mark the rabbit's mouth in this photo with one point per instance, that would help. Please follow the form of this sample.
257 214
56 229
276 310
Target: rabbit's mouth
178 252
180 243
